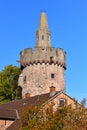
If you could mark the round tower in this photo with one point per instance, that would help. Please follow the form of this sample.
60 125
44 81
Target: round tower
44 67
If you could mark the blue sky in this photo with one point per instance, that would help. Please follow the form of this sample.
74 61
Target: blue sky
67 20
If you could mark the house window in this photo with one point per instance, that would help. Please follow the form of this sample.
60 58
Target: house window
61 102
52 76
42 37
24 79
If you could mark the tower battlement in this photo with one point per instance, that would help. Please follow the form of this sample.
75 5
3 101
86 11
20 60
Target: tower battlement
43 55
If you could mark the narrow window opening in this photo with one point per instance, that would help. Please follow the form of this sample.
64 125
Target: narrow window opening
43 49
52 76
42 37
51 59
24 80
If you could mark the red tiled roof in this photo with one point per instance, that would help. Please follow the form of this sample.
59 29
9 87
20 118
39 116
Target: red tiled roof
15 126
17 104
14 108
10 114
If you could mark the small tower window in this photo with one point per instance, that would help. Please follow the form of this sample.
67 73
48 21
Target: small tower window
24 79
52 76
51 59
42 37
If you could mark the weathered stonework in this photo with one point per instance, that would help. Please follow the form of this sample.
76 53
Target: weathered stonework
44 67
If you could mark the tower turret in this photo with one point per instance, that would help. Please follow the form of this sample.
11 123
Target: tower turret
43 33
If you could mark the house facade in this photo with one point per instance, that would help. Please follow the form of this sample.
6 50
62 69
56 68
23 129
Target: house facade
10 118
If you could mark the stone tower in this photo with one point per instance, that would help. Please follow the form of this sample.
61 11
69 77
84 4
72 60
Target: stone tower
44 67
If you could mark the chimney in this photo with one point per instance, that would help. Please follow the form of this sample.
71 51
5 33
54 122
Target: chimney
27 95
52 91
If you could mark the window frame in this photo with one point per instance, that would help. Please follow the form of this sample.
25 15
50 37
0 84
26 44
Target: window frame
62 102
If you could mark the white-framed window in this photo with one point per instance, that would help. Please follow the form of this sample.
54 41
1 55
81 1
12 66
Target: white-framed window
24 79
62 102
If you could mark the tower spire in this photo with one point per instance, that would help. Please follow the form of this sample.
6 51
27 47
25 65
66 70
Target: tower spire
43 21
43 33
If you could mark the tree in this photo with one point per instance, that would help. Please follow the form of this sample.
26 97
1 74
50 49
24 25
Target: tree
9 89
64 118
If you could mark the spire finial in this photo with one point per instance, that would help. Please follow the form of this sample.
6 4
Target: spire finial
43 21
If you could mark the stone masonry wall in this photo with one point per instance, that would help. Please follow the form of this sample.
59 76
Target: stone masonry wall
38 78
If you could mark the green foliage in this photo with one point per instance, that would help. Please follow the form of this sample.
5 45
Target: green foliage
9 89
46 118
